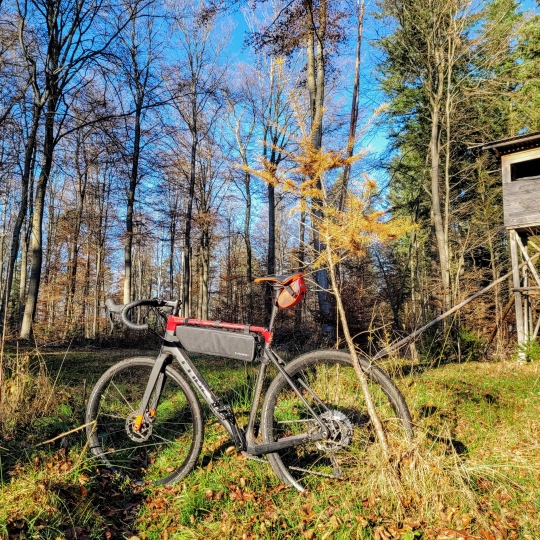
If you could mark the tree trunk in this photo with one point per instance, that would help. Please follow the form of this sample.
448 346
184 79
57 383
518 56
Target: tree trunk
86 293
172 237
301 258
205 274
133 181
316 86
442 244
189 218
247 240
354 110
74 248
36 245
23 276
29 153
97 281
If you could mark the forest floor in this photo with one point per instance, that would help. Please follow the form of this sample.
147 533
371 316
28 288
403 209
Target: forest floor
473 471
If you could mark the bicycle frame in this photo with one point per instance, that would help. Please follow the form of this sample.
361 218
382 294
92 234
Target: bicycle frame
243 440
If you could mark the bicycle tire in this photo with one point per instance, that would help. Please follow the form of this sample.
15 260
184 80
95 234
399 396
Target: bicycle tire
165 454
330 375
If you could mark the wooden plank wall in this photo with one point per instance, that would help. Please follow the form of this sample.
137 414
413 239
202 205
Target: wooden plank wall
521 201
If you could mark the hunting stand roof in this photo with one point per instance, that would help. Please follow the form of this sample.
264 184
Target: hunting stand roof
512 145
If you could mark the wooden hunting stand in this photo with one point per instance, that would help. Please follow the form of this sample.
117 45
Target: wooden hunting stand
520 164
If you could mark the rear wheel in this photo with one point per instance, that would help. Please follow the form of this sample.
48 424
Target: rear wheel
169 442
330 386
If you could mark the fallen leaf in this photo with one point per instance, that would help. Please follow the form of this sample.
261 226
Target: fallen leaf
380 533
362 521
277 489
449 534
83 479
335 522
307 512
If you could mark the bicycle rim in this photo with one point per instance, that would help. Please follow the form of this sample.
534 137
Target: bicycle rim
169 443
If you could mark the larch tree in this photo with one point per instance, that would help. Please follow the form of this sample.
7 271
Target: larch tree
316 28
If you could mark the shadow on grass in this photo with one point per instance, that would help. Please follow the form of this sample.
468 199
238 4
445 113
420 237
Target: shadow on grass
56 490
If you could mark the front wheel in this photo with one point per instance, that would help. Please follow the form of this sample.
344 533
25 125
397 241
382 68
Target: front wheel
169 442
330 386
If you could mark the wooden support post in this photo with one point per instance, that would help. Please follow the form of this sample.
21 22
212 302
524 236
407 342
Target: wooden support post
521 241
525 242
525 254
517 294
536 328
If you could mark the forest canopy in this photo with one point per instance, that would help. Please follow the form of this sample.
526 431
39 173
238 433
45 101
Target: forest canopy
153 149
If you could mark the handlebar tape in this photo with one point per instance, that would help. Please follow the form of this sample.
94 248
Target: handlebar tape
129 307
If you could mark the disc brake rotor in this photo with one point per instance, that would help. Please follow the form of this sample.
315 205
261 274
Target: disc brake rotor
146 428
340 431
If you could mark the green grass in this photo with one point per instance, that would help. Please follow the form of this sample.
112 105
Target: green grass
474 467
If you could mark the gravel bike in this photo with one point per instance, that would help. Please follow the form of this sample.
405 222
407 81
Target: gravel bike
145 419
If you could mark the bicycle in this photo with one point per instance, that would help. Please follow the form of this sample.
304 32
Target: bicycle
145 420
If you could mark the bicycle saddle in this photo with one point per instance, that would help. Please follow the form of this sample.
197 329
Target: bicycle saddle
281 280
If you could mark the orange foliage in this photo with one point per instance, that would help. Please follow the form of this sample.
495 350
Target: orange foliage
347 232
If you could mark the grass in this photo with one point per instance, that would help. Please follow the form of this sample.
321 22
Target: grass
472 472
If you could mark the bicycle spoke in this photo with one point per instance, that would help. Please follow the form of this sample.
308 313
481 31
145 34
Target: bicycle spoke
331 388
162 448
123 397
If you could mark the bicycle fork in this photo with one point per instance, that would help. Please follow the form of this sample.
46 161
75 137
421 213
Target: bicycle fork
155 385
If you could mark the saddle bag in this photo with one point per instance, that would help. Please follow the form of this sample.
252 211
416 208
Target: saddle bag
218 342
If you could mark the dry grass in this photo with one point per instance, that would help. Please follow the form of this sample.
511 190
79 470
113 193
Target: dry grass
25 391
472 472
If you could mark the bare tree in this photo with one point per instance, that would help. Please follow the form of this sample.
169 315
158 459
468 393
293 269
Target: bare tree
138 42
72 35
194 84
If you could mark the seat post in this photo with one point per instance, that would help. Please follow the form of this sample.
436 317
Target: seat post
274 307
